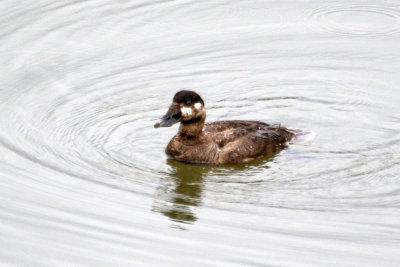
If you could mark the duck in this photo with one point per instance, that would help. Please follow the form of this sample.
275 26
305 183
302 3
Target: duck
219 142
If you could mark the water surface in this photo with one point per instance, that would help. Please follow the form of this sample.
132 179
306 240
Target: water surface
84 177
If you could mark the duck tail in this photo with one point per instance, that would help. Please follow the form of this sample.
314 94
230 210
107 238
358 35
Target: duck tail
302 135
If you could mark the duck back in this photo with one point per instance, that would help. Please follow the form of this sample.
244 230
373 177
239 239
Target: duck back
230 142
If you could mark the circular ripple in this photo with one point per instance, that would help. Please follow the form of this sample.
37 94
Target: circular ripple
83 83
357 20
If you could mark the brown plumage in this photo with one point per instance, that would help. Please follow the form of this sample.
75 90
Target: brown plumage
218 142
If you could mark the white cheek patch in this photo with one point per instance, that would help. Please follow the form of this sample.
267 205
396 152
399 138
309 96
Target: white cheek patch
197 105
186 111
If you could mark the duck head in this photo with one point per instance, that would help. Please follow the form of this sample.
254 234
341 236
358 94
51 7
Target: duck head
187 107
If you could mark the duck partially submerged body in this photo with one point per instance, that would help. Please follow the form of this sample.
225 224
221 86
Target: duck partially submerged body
218 142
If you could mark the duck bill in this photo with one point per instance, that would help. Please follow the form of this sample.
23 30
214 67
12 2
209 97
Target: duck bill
172 116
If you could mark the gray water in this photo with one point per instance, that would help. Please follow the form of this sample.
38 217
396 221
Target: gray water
84 179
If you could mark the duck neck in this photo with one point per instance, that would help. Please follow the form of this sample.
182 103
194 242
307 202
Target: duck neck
192 128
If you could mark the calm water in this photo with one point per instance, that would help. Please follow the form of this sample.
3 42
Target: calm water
84 178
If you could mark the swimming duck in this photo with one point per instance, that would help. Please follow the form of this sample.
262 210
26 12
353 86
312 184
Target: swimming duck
219 142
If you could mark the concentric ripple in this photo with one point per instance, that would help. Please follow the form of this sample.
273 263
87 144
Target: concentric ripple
85 179
357 19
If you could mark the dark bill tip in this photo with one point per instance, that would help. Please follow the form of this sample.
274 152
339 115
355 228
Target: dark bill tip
170 118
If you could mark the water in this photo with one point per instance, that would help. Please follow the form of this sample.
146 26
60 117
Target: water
84 177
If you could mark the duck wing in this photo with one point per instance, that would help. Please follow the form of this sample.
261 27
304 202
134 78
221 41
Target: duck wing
246 140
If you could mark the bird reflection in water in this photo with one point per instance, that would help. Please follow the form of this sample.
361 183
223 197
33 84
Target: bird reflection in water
180 193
